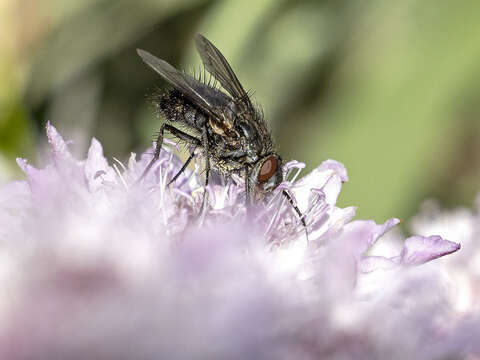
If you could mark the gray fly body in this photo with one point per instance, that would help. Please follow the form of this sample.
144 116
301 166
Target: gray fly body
226 126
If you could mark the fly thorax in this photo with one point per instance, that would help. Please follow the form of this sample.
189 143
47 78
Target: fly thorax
216 126
231 110
248 132
252 157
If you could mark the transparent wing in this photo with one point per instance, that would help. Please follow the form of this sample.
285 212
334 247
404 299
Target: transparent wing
217 65
191 88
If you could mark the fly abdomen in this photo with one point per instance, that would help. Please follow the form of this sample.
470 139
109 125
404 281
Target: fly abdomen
176 108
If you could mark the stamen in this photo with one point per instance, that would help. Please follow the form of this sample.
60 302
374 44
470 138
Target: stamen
120 175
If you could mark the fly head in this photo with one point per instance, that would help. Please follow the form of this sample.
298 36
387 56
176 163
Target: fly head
266 175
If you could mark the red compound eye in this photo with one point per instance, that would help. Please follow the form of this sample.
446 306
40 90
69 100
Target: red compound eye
268 168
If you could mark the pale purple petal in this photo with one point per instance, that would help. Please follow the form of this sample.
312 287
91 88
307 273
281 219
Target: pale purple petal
331 223
328 177
337 167
40 181
97 170
23 164
12 192
419 249
14 205
373 263
361 235
59 147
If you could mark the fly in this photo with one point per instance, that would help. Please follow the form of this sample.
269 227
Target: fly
228 129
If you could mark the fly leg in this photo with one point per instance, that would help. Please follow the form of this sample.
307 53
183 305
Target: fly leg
297 210
248 200
247 188
207 165
192 155
175 132
295 207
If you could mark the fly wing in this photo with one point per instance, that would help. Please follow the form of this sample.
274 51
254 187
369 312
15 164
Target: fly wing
193 90
217 65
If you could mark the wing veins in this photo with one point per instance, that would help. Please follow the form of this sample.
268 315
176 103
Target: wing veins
217 65
184 83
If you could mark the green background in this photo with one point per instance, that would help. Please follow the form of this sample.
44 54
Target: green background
389 88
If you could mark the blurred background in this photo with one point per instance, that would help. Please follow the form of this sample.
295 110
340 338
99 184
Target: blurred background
389 88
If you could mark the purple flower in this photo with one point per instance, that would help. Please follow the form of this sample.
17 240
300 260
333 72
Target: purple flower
461 272
94 266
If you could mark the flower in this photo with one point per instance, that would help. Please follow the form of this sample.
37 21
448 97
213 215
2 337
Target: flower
94 265
460 273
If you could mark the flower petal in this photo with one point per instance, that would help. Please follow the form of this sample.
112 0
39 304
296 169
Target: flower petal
328 178
337 167
96 167
59 147
419 249
362 234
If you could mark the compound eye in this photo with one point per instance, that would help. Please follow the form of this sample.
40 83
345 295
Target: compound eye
268 168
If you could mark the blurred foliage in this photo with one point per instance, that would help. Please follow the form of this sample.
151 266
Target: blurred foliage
389 88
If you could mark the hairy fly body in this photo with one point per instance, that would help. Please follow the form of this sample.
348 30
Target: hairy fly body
229 130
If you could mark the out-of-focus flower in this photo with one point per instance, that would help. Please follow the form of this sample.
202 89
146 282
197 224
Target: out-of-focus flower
93 266
460 273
